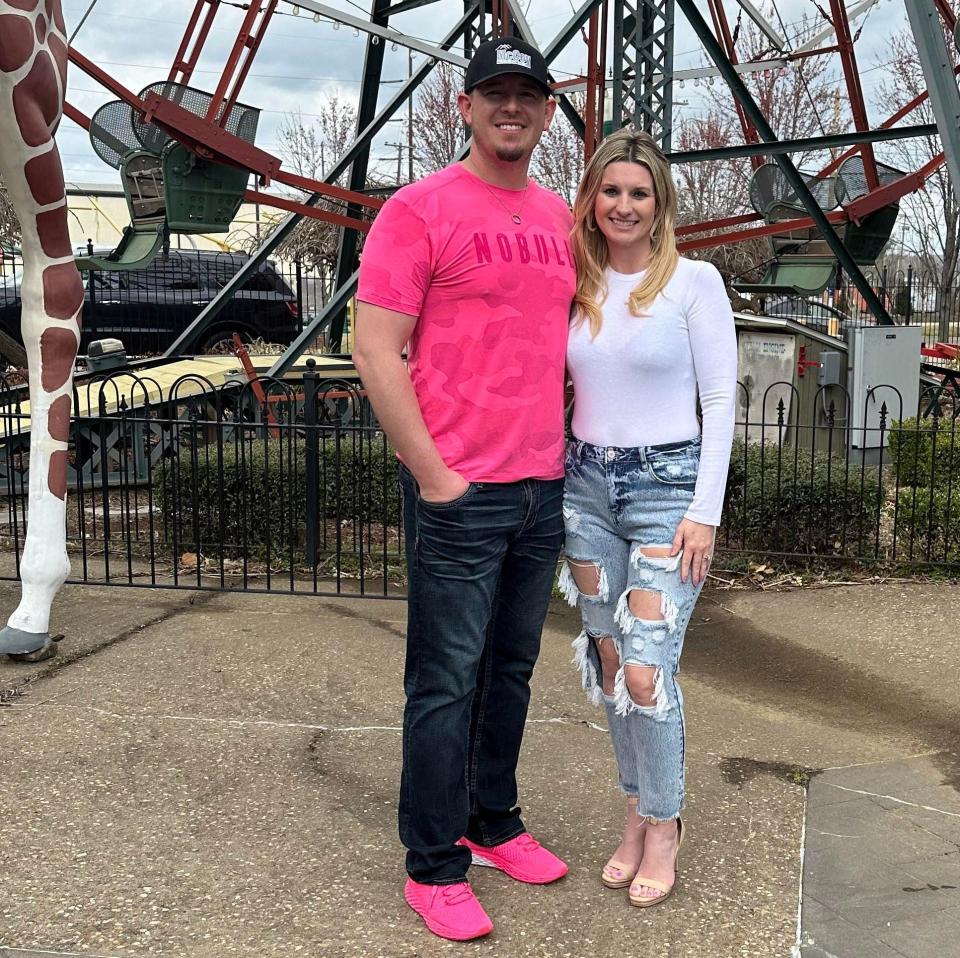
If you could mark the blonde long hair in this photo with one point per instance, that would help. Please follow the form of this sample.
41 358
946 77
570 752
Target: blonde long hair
589 244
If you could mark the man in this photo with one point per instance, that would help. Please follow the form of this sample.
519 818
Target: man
471 267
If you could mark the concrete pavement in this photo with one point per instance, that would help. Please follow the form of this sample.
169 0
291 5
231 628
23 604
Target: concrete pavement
218 777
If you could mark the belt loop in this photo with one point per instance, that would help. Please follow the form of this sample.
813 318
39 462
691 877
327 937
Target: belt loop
643 457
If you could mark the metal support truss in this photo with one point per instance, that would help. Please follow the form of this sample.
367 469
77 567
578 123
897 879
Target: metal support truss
192 333
643 66
367 110
941 83
796 181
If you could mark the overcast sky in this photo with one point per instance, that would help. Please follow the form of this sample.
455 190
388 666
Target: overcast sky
302 62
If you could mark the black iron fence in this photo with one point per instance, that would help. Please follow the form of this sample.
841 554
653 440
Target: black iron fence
289 489
146 309
295 489
911 298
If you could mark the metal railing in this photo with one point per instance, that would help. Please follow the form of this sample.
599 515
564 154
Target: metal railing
911 299
296 491
208 488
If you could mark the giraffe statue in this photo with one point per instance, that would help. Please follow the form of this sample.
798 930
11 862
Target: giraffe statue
33 79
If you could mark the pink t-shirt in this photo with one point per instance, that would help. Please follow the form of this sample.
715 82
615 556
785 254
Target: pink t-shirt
493 304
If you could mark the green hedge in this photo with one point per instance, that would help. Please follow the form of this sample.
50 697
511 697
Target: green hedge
924 453
928 523
792 503
788 501
260 498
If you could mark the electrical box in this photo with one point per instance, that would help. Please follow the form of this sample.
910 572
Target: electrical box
831 369
884 370
767 364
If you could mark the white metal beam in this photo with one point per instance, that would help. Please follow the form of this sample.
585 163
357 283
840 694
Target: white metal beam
385 33
764 24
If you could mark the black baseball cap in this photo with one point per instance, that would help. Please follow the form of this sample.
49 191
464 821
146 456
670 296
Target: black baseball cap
495 58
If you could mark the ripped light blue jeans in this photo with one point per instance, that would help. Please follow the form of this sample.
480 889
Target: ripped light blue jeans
617 504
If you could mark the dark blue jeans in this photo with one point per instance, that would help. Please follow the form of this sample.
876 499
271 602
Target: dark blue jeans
480 573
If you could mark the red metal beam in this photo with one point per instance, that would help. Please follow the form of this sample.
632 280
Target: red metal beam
185 67
722 29
241 42
946 11
848 58
208 140
717 224
590 137
314 212
334 192
899 115
854 212
81 119
738 236
252 47
894 191
92 70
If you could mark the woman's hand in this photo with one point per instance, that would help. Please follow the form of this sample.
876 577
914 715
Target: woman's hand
696 541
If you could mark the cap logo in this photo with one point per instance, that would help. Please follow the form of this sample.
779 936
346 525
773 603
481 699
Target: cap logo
506 54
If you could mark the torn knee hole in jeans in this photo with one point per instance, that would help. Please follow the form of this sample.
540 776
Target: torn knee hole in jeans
583 577
587 657
650 559
639 688
609 656
654 611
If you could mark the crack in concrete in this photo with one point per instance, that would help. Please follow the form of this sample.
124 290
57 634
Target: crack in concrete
893 798
61 661
241 723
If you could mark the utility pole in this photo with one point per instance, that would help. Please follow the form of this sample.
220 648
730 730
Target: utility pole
409 121
399 147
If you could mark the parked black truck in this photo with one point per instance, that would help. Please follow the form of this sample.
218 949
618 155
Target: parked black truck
146 309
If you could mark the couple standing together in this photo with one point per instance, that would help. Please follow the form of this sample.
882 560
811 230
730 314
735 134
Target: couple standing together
471 270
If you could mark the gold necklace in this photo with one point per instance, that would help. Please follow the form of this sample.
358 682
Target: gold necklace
514 216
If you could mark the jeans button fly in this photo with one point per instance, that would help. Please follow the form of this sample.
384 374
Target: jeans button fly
611 454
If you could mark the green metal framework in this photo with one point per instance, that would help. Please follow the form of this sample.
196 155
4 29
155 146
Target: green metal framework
643 67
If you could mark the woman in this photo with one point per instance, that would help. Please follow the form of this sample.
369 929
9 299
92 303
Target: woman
644 488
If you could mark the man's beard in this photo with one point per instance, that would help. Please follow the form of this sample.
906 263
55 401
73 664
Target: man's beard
511 154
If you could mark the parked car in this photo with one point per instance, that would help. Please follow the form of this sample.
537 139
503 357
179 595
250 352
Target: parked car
146 309
806 310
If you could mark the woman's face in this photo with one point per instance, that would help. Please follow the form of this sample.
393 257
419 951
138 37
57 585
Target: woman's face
625 206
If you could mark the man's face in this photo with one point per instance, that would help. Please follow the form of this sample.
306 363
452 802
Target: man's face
507 116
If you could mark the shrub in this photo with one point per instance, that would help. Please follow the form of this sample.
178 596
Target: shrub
928 523
788 500
924 452
253 499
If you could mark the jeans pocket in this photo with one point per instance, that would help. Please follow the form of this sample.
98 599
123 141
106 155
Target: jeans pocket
675 468
453 503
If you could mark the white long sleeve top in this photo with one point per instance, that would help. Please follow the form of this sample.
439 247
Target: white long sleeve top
637 383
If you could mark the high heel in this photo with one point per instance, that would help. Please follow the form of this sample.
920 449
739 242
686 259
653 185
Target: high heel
642 901
627 872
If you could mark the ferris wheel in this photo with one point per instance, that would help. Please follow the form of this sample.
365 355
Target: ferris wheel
186 154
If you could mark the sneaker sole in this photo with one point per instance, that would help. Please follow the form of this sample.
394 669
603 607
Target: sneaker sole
442 931
513 873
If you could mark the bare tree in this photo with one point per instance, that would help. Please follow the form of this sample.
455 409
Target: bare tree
437 127
311 148
798 101
558 160
930 232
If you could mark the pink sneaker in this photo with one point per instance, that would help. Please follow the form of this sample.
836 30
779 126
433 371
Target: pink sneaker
450 911
523 858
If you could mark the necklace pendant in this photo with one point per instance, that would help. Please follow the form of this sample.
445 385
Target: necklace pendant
516 218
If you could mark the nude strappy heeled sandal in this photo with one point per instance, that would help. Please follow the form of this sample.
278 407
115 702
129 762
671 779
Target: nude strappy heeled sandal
628 871
642 901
